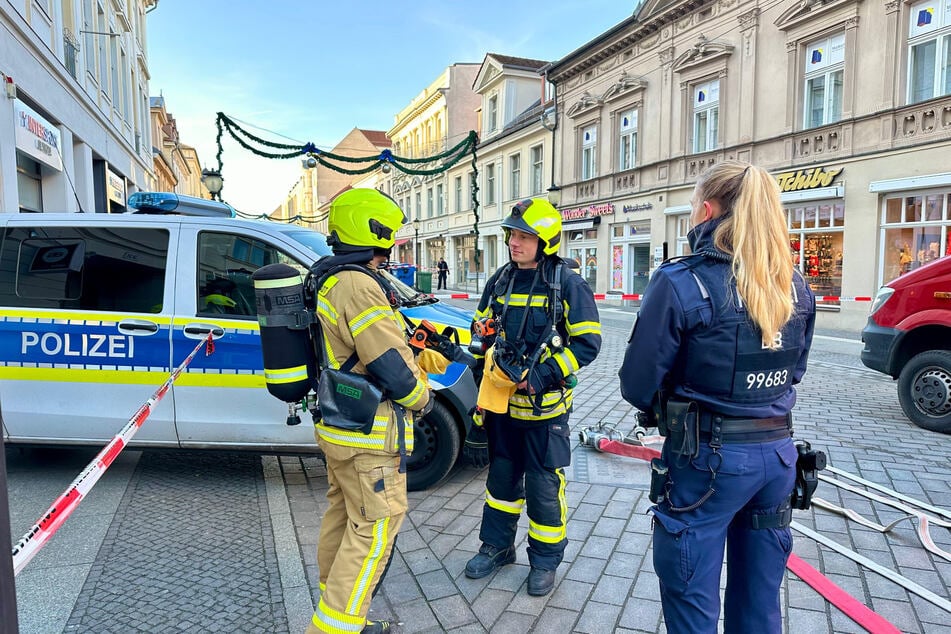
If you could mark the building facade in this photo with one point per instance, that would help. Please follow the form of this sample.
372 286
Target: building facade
847 102
513 162
436 120
309 198
74 115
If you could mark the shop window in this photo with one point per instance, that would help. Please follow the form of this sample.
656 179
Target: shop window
915 231
706 116
29 184
824 63
929 50
816 241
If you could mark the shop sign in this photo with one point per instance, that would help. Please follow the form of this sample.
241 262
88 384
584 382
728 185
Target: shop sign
36 136
807 179
591 211
637 207
115 186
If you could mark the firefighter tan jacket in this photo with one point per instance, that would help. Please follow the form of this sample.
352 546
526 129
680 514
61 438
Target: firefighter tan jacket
356 318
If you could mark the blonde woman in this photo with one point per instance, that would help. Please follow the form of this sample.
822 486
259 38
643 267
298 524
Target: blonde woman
721 338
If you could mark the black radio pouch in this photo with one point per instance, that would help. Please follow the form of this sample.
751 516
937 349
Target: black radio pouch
683 428
348 400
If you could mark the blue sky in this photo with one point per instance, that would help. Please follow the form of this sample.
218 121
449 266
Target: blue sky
312 71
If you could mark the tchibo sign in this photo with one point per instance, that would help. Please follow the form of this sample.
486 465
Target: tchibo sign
36 136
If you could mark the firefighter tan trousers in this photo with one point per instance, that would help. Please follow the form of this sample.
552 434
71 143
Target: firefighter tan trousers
367 496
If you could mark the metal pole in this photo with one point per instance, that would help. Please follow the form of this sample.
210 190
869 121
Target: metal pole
8 593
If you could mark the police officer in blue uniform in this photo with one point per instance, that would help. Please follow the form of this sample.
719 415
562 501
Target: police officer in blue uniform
548 328
720 340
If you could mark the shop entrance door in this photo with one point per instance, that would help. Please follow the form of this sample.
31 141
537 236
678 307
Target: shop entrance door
640 267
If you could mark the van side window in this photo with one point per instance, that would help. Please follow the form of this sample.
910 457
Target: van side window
84 268
225 264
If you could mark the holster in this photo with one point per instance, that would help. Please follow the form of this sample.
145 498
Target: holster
682 422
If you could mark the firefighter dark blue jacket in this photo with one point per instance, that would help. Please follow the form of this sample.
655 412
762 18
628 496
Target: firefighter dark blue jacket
694 339
579 328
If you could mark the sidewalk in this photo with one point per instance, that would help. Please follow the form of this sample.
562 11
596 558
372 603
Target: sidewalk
607 583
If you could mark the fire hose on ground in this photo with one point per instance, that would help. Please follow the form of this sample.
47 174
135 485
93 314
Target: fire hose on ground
607 438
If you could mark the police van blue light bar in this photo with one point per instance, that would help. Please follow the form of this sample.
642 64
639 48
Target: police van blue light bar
168 203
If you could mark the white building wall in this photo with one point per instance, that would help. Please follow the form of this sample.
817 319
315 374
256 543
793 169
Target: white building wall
90 126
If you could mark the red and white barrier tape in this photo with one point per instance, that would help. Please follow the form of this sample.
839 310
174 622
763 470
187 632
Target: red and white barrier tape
629 297
35 538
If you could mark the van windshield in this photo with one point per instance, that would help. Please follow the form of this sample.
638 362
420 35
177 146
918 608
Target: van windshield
313 240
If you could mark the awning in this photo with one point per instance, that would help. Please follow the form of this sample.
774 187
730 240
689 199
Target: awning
401 241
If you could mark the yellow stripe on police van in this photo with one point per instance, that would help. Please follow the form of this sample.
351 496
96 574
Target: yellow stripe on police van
129 376
82 318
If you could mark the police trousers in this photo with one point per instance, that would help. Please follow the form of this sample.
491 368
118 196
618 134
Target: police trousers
526 469
367 496
751 480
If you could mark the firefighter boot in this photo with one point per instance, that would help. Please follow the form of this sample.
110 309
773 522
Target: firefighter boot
376 627
489 560
540 582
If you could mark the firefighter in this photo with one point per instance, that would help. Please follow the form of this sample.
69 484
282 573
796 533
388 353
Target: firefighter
548 328
721 338
367 484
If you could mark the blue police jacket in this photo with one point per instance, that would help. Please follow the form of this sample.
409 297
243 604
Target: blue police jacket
694 339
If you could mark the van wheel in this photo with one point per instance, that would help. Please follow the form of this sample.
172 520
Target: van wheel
435 450
924 390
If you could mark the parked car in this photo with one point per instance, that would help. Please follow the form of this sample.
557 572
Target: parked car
908 336
97 309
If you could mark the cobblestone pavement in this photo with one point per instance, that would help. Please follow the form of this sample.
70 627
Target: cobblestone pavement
204 541
606 582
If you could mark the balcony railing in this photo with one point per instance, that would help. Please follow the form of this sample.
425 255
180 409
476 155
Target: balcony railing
70 52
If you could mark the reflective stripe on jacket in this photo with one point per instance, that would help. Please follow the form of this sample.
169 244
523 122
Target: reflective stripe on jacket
356 318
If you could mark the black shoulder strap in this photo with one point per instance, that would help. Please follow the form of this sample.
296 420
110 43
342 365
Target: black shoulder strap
556 309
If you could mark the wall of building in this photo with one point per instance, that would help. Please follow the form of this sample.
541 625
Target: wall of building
868 149
77 131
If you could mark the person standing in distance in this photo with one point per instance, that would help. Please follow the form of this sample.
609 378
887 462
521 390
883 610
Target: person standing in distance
367 484
443 273
548 329
721 338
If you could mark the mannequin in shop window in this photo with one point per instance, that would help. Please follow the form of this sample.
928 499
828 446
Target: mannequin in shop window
904 259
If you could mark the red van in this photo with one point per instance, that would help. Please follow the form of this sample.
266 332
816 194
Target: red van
908 336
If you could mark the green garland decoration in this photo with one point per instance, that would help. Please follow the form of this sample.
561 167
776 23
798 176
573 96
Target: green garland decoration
445 160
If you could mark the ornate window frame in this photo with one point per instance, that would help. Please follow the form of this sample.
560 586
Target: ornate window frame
803 24
703 62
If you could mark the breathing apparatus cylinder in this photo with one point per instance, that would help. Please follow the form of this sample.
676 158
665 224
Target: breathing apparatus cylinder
289 359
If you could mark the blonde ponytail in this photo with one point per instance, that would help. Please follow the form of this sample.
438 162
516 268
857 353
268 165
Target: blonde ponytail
755 233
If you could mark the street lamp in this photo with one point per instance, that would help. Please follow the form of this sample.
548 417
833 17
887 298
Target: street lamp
213 182
416 239
554 195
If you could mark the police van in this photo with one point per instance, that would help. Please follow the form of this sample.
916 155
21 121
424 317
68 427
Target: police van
97 309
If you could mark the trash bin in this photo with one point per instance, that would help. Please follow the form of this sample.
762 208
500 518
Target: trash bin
424 282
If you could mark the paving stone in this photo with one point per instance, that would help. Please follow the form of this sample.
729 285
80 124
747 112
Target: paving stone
598 617
641 615
613 590
452 611
513 623
490 604
599 547
557 620
570 595
435 584
586 569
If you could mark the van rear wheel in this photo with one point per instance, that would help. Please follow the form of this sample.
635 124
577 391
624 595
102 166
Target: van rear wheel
436 447
924 390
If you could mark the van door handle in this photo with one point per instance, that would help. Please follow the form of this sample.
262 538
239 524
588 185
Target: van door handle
200 331
138 327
